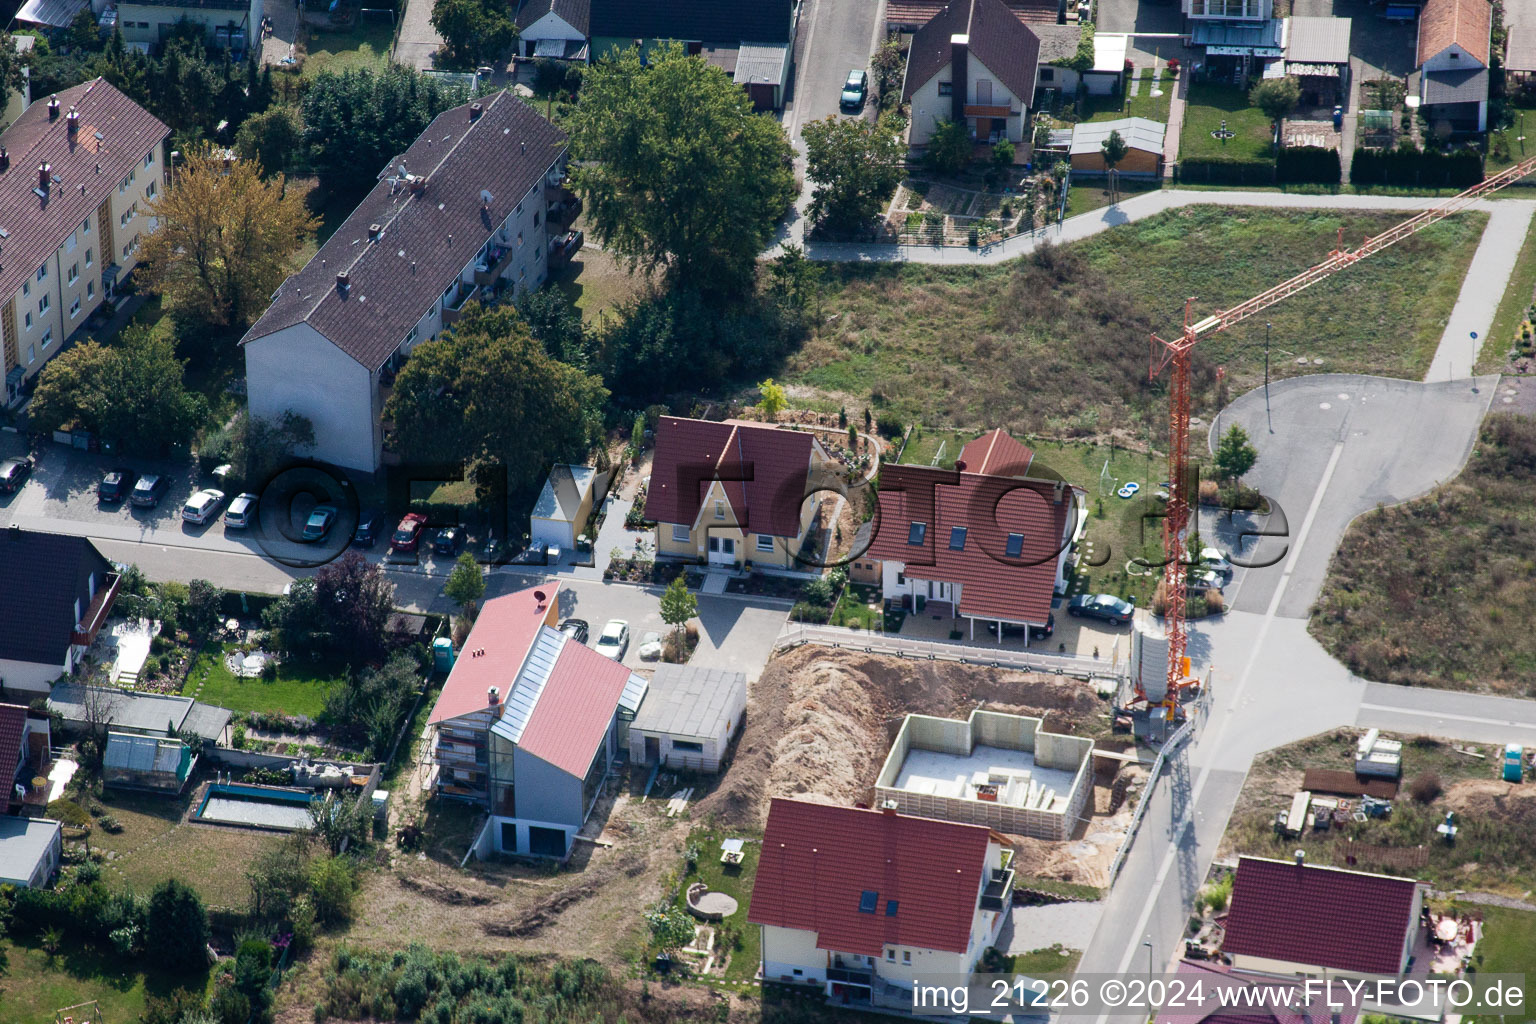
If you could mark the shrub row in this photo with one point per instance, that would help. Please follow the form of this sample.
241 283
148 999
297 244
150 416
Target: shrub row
1307 165
1226 170
1413 168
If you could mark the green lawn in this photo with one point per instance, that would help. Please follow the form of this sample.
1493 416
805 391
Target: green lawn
1055 343
1089 193
1518 292
34 984
365 45
853 608
1110 108
1209 104
299 689
1037 963
1508 946
211 860
735 882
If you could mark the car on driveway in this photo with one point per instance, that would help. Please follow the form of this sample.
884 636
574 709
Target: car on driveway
855 89
14 473
613 640
449 541
321 519
1101 606
202 506
150 488
1035 632
650 647
116 485
367 532
1212 559
242 509
576 629
408 534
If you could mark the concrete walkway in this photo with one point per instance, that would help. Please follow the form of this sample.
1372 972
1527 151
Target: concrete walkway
1175 127
1478 302
418 40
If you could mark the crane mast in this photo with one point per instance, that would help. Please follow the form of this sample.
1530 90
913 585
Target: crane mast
1177 353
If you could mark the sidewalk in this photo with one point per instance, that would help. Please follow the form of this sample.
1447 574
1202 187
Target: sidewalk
1175 124
417 40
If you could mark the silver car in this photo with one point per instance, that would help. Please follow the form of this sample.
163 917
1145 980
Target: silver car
240 512
613 640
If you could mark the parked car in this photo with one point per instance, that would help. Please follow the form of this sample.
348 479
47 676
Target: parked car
650 647
242 509
367 532
149 490
449 541
14 473
1213 560
576 629
202 506
1035 632
408 534
1101 606
613 640
321 518
116 485
854 90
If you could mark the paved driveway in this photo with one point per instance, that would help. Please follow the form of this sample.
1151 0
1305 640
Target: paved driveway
418 40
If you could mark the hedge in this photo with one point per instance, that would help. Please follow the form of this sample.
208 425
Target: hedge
1308 165
1226 170
1413 168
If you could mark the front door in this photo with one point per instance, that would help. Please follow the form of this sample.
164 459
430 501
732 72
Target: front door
652 749
722 550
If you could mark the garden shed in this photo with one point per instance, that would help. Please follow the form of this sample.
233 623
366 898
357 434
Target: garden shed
153 763
1143 146
564 506
30 851
688 717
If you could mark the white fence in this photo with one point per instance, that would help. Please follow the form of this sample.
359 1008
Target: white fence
798 634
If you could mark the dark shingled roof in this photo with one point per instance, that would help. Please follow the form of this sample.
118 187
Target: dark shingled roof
574 13
1005 45
13 722
88 170
427 238
707 21
764 471
45 574
1320 916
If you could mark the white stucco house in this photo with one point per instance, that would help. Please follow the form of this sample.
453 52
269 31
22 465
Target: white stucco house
554 28
975 62
858 902
463 215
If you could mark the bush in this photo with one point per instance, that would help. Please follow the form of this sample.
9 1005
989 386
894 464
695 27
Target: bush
1426 787
1314 165
1215 602
1408 167
69 812
889 426
1226 170
176 926
1210 492
819 591
816 614
332 884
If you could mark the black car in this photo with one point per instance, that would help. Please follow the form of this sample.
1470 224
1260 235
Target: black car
367 532
1035 632
576 629
149 490
1101 606
116 485
14 473
449 541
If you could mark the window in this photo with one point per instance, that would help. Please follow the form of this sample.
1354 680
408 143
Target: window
44 303
535 218
1015 546
1455 55
538 253
149 192
906 956
48 337
901 579
31 354
85 226
719 510
70 243
74 308
90 289
411 336
1047 74
946 88
74 272
983 91
680 534
149 158
764 543
26 288
519 239
799 972
688 746
916 532
957 538
89 257
867 900
890 908
28 319
890 955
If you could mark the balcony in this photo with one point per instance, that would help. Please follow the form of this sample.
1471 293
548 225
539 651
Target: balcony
998 895
500 258
96 612
564 207
989 110
454 308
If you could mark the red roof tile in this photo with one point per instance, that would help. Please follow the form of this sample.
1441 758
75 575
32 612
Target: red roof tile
818 860
990 506
505 630
1219 977
764 471
1467 23
13 722
1328 917
574 709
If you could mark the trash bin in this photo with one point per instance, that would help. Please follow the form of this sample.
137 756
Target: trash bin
920 602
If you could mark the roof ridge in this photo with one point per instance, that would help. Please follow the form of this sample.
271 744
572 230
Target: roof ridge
42 136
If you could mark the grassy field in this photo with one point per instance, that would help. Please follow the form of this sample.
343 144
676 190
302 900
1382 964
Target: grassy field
1056 343
212 860
35 984
596 281
1518 292
1492 852
1209 104
735 881
365 45
1455 615
1508 947
1089 194
297 690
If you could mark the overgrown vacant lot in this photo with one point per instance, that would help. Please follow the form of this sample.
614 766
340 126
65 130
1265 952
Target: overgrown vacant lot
1057 343
1441 591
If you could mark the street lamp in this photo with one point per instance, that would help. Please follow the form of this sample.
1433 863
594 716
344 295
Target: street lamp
1148 944
1267 415
1472 371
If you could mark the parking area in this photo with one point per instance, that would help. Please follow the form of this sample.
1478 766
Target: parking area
1088 638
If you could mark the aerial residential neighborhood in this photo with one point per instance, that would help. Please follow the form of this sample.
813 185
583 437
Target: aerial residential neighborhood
783 512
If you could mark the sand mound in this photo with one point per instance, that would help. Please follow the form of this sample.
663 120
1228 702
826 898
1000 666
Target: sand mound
1491 799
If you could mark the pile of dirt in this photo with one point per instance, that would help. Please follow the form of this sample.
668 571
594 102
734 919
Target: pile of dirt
1489 799
819 721
442 893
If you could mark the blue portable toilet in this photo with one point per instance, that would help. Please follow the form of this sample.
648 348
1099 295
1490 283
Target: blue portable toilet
442 654
1514 755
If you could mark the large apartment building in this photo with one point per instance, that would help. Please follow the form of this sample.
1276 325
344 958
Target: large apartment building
78 172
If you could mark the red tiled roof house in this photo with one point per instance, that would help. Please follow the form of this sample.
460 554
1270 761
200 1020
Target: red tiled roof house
983 541
25 739
1454 44
859 901
733 493
528 725
1290 917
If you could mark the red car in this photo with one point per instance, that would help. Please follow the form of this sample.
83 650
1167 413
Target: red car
408 533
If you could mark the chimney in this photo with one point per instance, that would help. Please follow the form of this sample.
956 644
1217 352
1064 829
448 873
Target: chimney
373 232
959 75
343 280
493 696
1056 493
72 121
53 108
44 172
888 808
475 110
5 159
1301 858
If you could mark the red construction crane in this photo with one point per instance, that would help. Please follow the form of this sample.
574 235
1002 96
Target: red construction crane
1177 353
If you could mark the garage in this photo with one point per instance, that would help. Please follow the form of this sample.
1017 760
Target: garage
564 506
688 717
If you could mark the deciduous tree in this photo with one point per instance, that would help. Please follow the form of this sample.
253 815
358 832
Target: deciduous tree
271 138
773 400
466 584
1113 149
949 147
176 927
357 120
354 599
678 172
10 68
226 238
473 31
1277 97
855 165
678 605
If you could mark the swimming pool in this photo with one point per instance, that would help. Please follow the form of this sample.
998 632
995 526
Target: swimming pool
233 803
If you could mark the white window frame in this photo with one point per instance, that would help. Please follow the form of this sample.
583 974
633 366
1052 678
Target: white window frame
48 337
764 542
680 533
74 308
